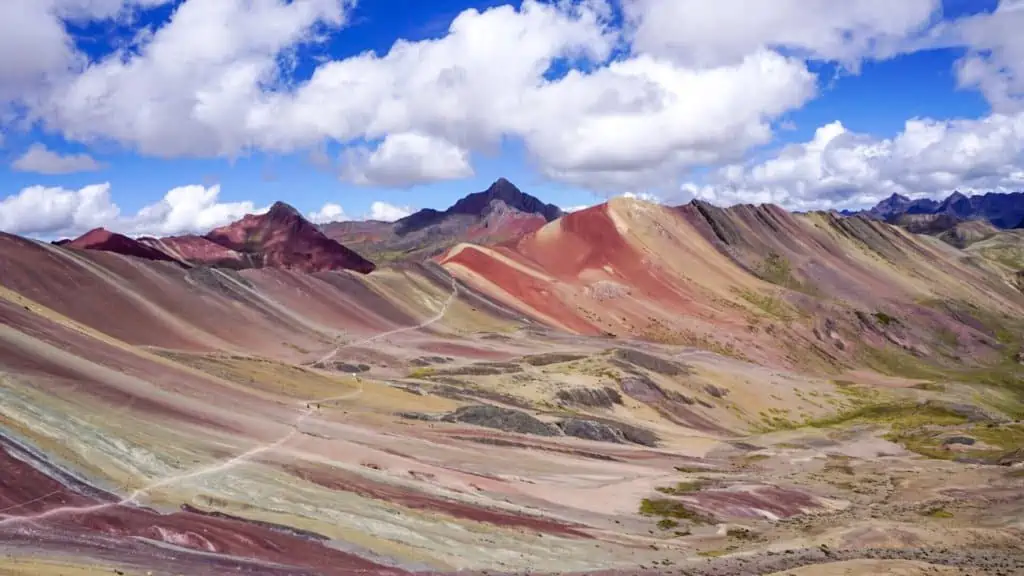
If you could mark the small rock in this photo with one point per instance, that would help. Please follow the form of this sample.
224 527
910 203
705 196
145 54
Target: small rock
716 391
965 440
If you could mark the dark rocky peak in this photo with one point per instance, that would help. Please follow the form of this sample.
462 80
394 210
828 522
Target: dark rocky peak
502 194
895 204
896 200
479 203
281 211
958 205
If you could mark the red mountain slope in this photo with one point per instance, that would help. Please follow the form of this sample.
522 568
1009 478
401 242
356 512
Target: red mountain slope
107 241
282 238
199 250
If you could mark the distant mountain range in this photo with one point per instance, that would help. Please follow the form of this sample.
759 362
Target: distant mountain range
1003 211
283 238
280 238
500 213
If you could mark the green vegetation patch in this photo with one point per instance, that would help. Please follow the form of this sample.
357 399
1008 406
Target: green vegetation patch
777 270
681 488
937 512
770 305
885 319
421 373
992 441
657 332
671 509
898 416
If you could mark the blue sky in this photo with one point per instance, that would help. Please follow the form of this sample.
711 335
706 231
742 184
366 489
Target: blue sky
872 73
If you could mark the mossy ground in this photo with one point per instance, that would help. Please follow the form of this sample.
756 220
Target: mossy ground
995 440
666 508
682 487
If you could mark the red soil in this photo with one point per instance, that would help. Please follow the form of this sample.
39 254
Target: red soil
107 241
198 250
508 225
284 239
339 300
148 303
464 351
534 292
339 480
748 504
51 369
589 240
27 491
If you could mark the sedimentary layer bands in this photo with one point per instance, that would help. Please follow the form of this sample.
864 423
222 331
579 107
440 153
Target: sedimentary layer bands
628 388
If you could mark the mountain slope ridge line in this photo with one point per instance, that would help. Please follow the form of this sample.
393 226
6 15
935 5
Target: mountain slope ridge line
312 408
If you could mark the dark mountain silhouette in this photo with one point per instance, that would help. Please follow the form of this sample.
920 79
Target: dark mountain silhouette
500 213
1002 210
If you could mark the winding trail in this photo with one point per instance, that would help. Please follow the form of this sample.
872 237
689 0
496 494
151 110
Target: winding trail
312 407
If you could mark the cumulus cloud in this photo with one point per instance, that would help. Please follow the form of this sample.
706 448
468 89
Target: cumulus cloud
842 169
388 212
54 212
40 211
40 159
994 63
624 123
645 196
403 160
681 84
329 212
195 83
382 211
36 51
708 34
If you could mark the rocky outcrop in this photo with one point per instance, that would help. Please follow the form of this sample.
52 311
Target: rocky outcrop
606 397
500 418
591 430
650 362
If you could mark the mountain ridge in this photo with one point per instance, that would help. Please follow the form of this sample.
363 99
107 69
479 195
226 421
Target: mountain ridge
1004 210
500 213
278 238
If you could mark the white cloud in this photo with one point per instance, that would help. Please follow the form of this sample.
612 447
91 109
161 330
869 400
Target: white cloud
382 211
995 62
723 32
329 212
646 197
405 159
51 212
699 83
36 51
187 209
211 82
55 211
841 169
388 212
40 159
194 85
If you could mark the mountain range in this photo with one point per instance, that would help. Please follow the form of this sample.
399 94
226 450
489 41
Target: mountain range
283 238
500 213
1002 210
626 386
